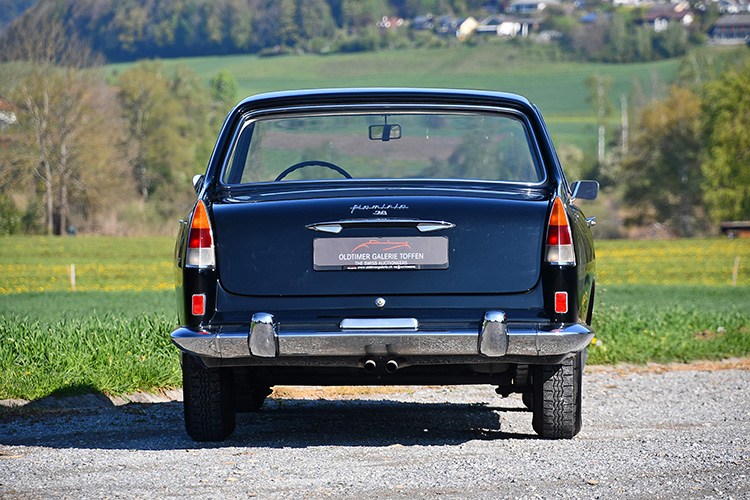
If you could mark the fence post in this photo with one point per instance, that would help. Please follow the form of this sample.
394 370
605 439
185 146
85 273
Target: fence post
72 276
736 270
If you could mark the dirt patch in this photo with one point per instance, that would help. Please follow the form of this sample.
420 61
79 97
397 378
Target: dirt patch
334 392
706 366
707 335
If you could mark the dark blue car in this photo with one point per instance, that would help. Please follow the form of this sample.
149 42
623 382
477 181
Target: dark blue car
383 237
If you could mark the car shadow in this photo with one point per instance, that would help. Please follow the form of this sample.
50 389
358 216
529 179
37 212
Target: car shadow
281 423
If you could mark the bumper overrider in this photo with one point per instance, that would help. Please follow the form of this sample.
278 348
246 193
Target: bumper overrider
403 337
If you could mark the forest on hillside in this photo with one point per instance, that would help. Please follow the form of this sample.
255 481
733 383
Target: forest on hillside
136 29
12 9
133 29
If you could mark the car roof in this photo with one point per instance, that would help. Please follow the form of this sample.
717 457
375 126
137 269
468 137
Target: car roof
344 96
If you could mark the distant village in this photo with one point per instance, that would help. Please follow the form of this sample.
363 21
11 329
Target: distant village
523 18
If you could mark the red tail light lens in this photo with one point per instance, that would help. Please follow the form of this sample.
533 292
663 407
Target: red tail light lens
199 304
200 251
559 238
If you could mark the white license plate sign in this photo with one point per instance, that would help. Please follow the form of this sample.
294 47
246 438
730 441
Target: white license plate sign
344 254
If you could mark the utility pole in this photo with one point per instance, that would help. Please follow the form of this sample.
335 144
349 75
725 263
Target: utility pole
624 122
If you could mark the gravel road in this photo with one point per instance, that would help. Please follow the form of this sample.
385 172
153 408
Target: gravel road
647 433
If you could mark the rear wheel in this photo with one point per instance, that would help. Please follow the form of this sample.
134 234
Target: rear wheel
208 397
557 399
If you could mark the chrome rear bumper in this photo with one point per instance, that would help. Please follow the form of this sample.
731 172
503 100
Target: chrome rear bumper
496 338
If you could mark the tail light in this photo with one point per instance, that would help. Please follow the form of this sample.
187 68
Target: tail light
559 237
200 250
199 304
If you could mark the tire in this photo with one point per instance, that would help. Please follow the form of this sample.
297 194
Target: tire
557 399
528 400
208 399
251 400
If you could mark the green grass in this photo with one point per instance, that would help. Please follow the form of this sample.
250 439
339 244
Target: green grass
699 261
58 341
557 87
670 323
41 263
68 343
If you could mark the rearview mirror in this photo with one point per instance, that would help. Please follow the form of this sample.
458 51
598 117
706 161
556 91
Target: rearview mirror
385 132
197 182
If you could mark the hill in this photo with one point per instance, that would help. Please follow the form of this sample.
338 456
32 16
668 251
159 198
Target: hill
143 29
136 29
557 87
10 10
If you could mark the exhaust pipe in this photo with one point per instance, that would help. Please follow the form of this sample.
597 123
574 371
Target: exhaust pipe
391 366
370 365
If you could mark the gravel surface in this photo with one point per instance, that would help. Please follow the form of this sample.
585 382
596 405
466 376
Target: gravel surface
646 434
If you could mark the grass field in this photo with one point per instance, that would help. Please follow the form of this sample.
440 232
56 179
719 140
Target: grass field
656 301
42 264
557 87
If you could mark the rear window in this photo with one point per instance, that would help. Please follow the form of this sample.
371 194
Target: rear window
372 145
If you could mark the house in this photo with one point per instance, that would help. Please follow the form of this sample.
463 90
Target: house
423 23
528 6
501 25
460 28
7 114
466 27
730 6
627 3
389 23
659 16
594 17
446 25
731 28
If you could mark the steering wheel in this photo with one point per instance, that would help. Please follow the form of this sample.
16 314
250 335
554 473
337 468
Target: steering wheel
309 163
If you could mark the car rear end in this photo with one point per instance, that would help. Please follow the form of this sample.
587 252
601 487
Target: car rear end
382 237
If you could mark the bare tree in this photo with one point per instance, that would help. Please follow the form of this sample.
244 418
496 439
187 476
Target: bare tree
42 40
54 92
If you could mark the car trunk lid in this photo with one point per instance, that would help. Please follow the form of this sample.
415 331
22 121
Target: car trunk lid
490 244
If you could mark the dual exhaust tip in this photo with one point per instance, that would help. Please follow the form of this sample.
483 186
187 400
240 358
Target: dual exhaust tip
390 366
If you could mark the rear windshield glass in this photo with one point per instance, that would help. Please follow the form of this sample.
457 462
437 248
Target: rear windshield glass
402 145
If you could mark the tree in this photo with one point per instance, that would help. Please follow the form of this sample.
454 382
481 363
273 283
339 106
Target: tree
288 29
167 117
662 177
315 20
726 120
224 88
60 114
240 22
702 66
145 100
363 13
617 38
